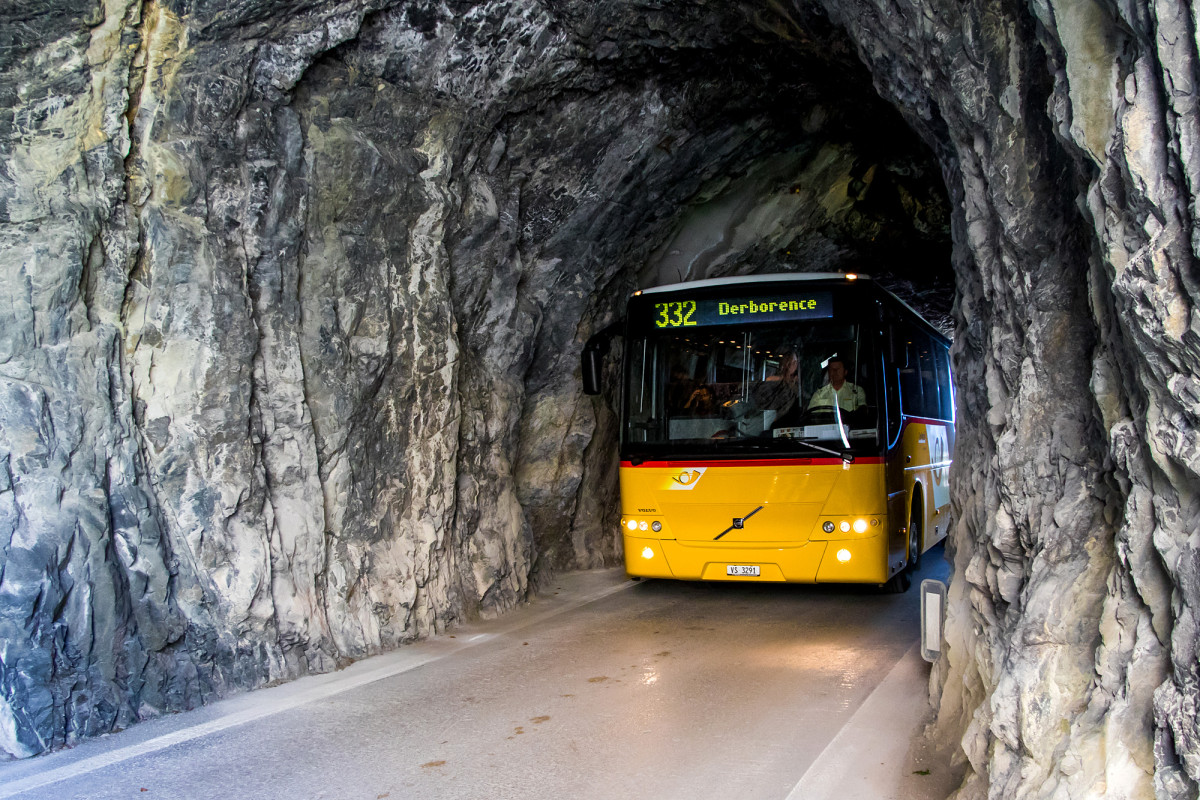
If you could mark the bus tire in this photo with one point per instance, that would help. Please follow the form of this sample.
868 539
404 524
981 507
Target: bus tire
914 533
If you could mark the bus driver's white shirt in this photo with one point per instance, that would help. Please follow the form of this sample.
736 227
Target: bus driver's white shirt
849 397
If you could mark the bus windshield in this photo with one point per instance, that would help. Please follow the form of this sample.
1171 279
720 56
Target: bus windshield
781 387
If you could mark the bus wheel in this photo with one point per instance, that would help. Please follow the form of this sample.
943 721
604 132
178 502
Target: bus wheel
914 539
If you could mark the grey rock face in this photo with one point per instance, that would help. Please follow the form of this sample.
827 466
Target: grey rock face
293 305
1072 662
291 300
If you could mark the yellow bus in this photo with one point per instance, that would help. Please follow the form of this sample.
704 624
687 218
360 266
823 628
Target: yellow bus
792 428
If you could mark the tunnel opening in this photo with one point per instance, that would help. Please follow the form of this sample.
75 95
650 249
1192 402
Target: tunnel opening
301 350
714 145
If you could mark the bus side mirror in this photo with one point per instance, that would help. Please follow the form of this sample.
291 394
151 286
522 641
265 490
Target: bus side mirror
593 363
592 358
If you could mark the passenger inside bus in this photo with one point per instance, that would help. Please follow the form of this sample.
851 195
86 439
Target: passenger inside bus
702 403
680 389
780 392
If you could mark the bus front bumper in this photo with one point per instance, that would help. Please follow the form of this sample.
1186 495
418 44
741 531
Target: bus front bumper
860 560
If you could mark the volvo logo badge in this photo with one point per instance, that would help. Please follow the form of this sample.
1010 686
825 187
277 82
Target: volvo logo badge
738 523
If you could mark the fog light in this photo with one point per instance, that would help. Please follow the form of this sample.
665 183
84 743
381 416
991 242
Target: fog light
843 555
643 526
648 553
827 527
845 526
860 526
656 526
632 524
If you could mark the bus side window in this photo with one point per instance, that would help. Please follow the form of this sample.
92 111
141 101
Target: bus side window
893 364
931 405
911 387
944 382
643 402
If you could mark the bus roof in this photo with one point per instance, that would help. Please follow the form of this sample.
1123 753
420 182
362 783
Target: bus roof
738 280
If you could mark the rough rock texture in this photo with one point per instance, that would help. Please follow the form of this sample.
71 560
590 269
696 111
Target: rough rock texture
291 297
1071 130
294 298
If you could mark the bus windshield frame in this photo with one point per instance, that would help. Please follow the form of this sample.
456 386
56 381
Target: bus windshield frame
748 371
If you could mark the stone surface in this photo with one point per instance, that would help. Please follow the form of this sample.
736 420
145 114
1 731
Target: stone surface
1073 656
292 295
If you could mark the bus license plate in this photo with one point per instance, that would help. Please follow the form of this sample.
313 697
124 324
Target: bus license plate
735 569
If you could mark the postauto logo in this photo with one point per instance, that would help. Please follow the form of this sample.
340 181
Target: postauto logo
687 479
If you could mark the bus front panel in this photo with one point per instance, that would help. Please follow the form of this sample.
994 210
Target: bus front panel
795 520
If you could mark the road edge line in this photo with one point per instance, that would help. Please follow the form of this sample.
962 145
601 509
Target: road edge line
843 758
336 683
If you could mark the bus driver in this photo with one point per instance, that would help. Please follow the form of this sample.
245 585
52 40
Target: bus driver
849 396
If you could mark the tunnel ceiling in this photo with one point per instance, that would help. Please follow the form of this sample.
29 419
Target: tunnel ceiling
759 146
292 296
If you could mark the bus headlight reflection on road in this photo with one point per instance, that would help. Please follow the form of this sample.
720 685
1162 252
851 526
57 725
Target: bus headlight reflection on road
843 555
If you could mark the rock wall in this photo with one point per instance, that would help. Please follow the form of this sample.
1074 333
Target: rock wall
293 304
291 297
1069 132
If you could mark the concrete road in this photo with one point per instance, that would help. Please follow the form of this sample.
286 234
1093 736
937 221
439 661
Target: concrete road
602 688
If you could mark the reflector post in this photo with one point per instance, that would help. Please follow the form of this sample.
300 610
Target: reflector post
933 618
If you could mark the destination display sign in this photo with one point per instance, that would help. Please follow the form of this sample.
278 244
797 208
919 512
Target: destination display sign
741 310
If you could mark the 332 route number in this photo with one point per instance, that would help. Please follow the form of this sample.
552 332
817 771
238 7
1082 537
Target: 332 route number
675 315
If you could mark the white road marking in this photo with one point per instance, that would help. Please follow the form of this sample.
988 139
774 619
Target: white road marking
266 702
863 759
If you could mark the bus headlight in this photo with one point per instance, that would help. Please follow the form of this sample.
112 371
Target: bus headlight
843 555
848 527
656 526
648 553
632 524
643 526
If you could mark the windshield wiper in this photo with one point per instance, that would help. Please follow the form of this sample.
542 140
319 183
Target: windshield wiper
747 443
837 413
844 455
777 443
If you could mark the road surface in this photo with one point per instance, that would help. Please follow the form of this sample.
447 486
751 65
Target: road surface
601 688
